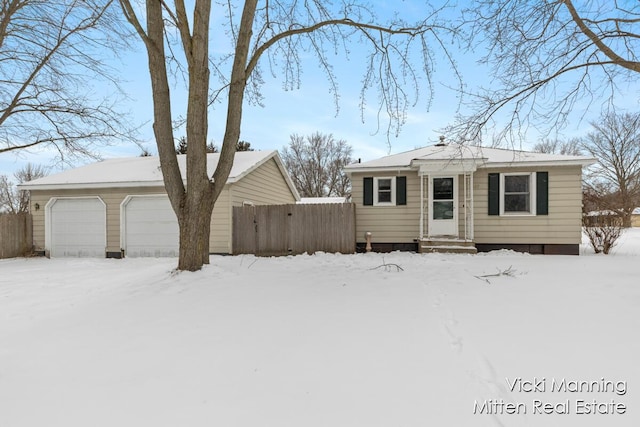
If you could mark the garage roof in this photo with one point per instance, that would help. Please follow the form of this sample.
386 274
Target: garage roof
145 172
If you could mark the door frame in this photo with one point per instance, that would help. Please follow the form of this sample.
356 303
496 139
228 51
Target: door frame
453 222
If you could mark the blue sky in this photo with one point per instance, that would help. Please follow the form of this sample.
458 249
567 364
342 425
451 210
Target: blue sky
309 109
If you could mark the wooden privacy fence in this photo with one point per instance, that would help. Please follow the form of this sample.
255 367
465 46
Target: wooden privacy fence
15 235
275 230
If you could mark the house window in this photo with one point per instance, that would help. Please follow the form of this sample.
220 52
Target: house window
384 191
517 194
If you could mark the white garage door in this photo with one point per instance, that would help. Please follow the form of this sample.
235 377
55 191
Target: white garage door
77 227
149 227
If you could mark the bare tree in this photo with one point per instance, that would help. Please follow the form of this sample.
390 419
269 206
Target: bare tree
615 179
13 200
549 59
315 165
50 53
570 147
278 31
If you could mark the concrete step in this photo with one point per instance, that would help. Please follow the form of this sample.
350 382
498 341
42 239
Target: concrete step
455 246
448 242
448 249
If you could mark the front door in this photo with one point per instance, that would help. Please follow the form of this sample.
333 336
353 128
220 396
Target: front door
443 213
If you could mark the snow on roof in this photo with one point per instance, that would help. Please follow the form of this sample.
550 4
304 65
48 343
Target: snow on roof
141 171
483 155
636 211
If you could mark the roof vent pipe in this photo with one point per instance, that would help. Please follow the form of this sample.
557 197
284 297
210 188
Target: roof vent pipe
441 143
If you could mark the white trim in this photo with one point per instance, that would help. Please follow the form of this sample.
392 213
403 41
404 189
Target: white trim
548 163
123 222
425 167
387 169
471 236
89 185
466 208
48 226
532 194
421 206
376 191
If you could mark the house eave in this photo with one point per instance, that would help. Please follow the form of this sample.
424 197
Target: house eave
466 165
90 185
379 169
548 163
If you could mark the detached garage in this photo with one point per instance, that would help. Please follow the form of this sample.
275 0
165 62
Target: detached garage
118 207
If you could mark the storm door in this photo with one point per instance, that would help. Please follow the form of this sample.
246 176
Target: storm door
443 219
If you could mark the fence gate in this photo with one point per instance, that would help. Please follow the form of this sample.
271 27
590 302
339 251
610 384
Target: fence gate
16 238
275 230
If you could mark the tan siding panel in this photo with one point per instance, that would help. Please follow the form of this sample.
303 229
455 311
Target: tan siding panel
264 186
220 236
561 226
388 224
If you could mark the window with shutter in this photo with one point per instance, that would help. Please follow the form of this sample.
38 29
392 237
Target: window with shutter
519 193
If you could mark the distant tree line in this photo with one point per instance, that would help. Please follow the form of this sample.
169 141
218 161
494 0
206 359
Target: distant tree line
315 164
181 147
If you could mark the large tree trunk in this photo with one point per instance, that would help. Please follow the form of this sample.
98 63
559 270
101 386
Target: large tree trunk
193 203
195 215
195 229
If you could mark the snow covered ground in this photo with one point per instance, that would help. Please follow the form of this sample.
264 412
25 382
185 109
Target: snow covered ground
323 340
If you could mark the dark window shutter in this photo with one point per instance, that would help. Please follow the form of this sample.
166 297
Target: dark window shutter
368 191
494 194
542 193
401 190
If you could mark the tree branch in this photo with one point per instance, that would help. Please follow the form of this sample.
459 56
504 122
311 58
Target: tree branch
332 22
615 58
